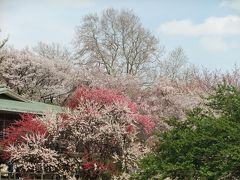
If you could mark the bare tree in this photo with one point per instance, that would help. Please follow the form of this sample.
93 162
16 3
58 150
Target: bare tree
3 42
116 41
52 51
175 66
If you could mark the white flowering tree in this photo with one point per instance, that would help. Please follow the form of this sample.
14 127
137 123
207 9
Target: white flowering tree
100 135
34 76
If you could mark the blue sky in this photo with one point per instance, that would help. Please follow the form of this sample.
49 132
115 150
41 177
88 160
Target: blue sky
208 30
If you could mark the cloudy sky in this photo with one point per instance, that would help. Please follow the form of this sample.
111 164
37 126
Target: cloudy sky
208 30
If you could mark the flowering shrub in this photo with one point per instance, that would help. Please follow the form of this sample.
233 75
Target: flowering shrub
15 134
166 99
32 155
34 76
98 136
100 96
105 97
27 125
205 145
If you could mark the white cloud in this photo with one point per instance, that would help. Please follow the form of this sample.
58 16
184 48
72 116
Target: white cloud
213 33
214 44
232 4
211 26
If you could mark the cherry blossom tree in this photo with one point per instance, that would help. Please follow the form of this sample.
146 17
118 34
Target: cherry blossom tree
34 76
99 135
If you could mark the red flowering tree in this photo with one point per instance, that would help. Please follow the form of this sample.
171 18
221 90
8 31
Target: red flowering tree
15 134
97 136
105 97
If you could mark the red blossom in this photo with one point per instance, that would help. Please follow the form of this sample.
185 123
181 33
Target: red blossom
147 124
26 125
64 116
130 128
109 97
102 167
88 165
99 107
94 165
101 96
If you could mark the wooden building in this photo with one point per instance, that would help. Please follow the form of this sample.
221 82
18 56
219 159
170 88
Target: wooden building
12 105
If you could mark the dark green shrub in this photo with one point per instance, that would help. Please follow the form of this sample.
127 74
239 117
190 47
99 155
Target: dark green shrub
204 146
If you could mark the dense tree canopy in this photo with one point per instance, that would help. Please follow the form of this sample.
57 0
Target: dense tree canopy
124 87
205 145
100 135
34 76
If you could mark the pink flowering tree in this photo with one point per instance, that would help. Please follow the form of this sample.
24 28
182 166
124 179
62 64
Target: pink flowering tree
15 134
99 135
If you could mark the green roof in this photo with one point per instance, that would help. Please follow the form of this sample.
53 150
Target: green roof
11 94
27 107
16 103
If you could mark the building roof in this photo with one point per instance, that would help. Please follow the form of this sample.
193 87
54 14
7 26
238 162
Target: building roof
12 102
11 94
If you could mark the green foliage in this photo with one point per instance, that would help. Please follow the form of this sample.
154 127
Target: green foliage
204 146
226 100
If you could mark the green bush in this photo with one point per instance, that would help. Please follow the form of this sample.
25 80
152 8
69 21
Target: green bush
204 146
